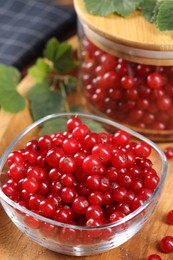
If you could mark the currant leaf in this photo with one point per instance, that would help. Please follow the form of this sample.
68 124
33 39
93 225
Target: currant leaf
102 7
51 49
40 70
106 7
53 126
70 84
93 126
64 61
49 101
10 99
126 7
147 9
164 17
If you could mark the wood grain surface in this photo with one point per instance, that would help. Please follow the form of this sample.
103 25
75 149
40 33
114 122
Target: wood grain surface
14 245
133 31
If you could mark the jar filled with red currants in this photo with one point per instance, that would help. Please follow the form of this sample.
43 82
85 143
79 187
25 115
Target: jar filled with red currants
126 71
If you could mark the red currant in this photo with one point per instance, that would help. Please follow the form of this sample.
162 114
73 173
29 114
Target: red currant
166 244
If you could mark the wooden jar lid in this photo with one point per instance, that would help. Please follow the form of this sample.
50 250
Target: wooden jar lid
133 32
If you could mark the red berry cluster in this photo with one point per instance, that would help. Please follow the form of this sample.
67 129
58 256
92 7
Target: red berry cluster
91 173
81 177
136 94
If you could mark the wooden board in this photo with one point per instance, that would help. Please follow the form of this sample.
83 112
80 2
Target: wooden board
14 245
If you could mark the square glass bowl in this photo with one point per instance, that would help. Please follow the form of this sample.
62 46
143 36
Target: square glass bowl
71 239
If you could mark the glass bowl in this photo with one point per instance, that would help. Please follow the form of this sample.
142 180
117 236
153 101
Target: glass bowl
72 239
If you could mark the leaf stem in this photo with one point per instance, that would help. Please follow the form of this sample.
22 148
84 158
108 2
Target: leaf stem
63 91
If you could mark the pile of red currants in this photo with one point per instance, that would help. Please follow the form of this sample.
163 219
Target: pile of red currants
81 177
139 95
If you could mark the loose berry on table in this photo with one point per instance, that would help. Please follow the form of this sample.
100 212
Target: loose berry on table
169 217
154 257
166 244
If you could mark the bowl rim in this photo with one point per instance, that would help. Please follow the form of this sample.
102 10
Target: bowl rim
130 216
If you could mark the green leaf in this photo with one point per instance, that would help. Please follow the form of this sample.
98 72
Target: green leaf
64 61
54 126
51 49
125 7
10 99
106 7
147 9
101 7
44 101
165 16
77 108
93 126
70 84
155 12
40 70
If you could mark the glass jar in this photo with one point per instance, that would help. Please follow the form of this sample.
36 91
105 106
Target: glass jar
126 71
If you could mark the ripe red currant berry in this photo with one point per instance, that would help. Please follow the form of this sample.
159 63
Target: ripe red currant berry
142 150
67 179
53 156
112 174
54 175
68 194
80 132
92 164
169 217
47 208
68 235
90 140
121 138
119 194
127 82
80 205
30 184
70 145
109 80
17 171
47 230
103 152
34 201
154 257
10 189
44 187
15 157
151 181
95 198
94 211
166 244
72 123
116 215
67 164
37 172
108 62
93 182
137 202
156 80
63 214
45 143
119 159
32 222
169 152
30 156
33 146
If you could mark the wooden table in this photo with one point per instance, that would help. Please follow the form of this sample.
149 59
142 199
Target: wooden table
14 245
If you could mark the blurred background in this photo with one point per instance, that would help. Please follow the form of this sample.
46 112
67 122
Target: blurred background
67 3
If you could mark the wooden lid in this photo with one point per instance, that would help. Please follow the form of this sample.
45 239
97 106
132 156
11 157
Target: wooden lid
132 31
